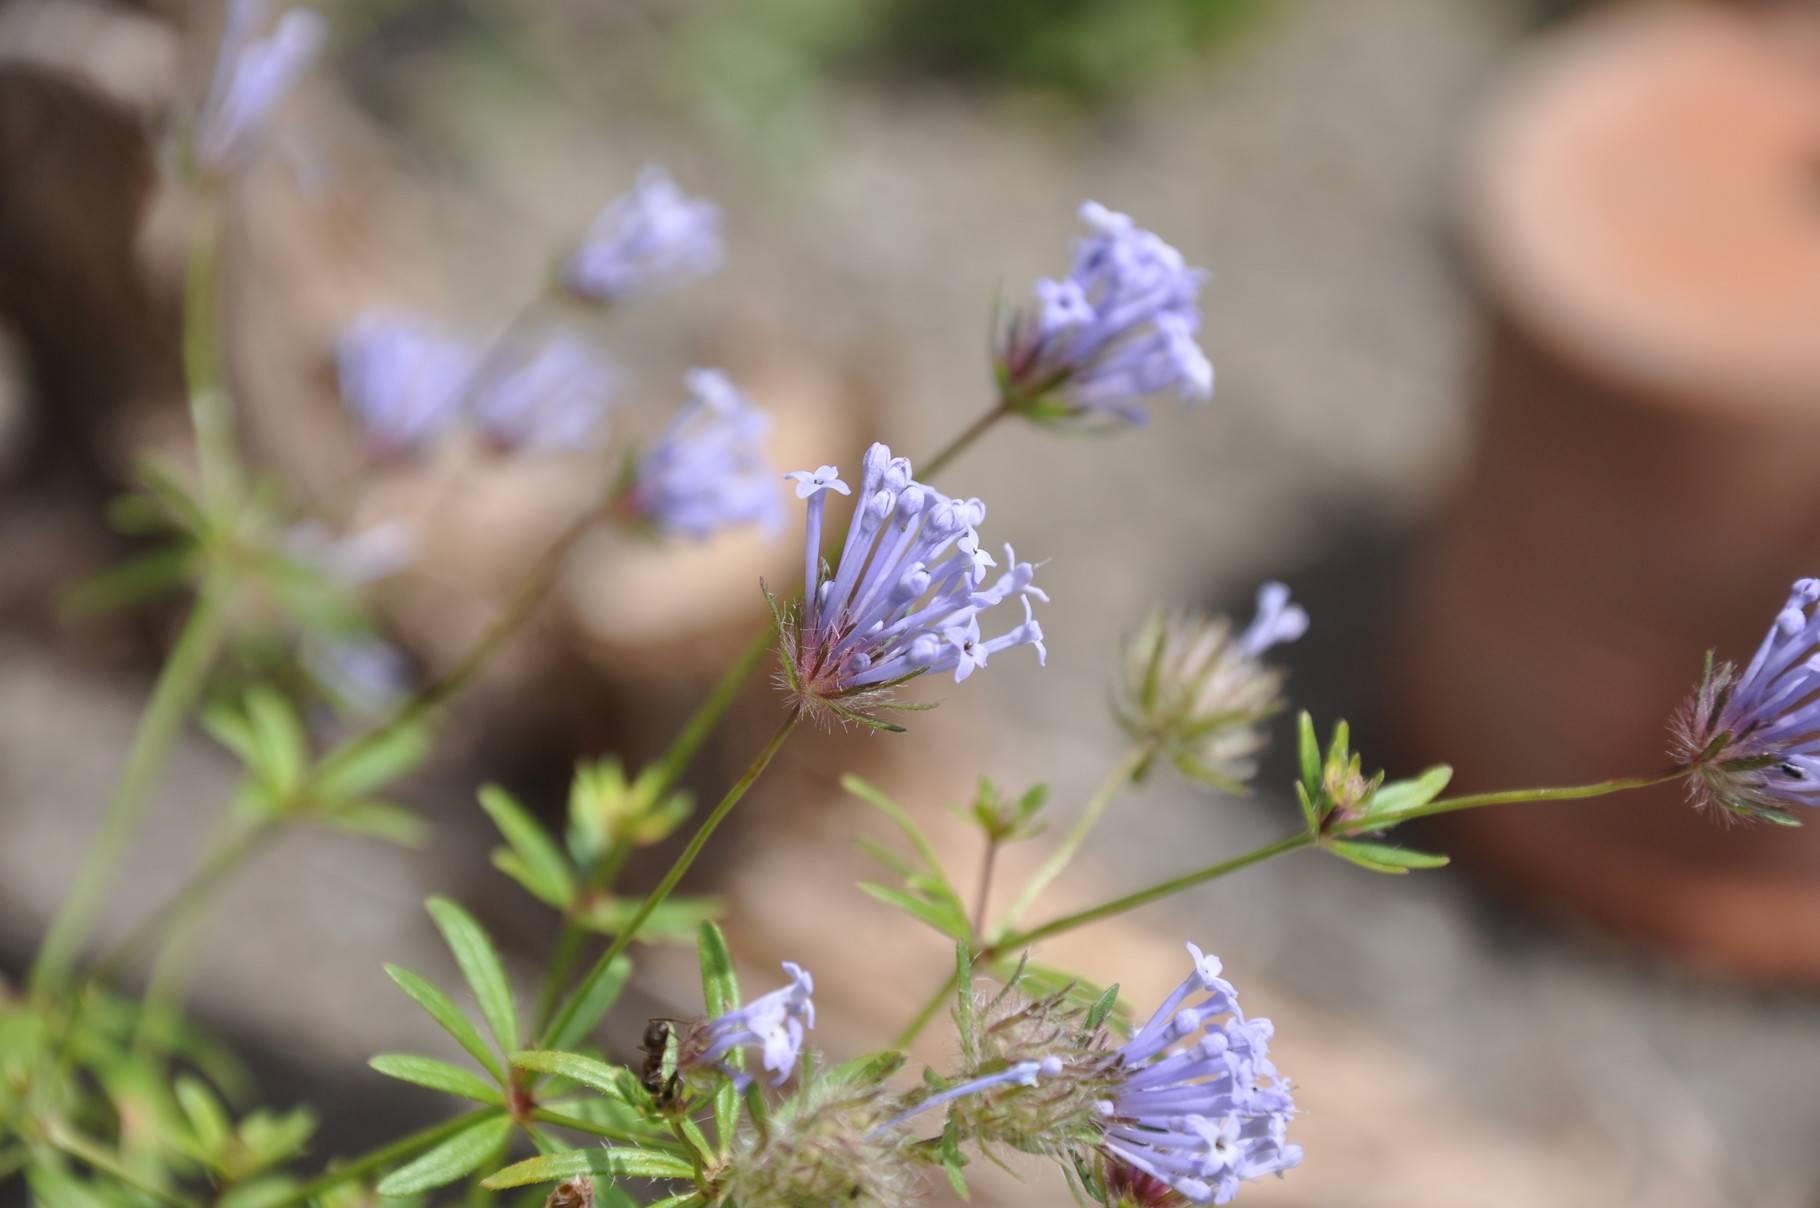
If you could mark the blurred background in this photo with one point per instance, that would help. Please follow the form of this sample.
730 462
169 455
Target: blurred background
1516 313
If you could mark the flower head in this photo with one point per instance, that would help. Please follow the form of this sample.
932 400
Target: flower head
1199 692
825 1144
1199 1106
404 379
708 470
774 1022
906 596
253 76
650 240
1066 1070
1752 741
550 397
1120 327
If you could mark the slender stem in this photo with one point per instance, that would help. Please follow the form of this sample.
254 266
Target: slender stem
193 896
687 743
1146 896
960 444
204 360
188 911
87 1149
546 1116
682 751
518 609
179 685
1058 860
914 1028
656 897
1448 805
380 1158
985 888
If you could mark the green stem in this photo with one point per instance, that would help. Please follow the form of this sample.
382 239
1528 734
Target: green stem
656 897
687 743
961 443
546 1116
1448 805
984 895
1058 860
204 359
194 896
676 760
88 1150
432 695
379 1158
1146 896
915 1027
179 685
187 911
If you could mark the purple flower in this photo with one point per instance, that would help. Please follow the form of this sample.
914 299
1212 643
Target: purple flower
253 76
708 470
1121 327
773 1022
1200 1107
906 596
547 398
403 379
648 241
1752 741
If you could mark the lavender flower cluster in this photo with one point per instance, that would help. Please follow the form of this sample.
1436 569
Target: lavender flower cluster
1752 740
1119 327
1187 1110
906 595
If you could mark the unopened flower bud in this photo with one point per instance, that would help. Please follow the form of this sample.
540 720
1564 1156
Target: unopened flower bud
1199 693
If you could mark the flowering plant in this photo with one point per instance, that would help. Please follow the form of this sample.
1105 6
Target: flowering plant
109 1098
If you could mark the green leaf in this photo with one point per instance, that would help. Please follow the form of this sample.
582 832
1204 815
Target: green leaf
270 1139
965 1016
609 1080
208 1120
551 877
720 992
1309 749
869 1070
614 1163
947 918
481 966
600 999
1380 857
461 1154
719 986
438 1076
1401 795
377 820
364 765
675 920
1102 1006
158 573
443 1010
281 742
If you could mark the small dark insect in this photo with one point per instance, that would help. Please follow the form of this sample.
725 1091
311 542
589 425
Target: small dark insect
576 1193
654 1045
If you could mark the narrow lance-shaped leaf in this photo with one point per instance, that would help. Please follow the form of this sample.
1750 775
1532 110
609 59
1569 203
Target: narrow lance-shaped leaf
550 875
481 966
461 1154
443 1010
612 1162
438 1076
589 1011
